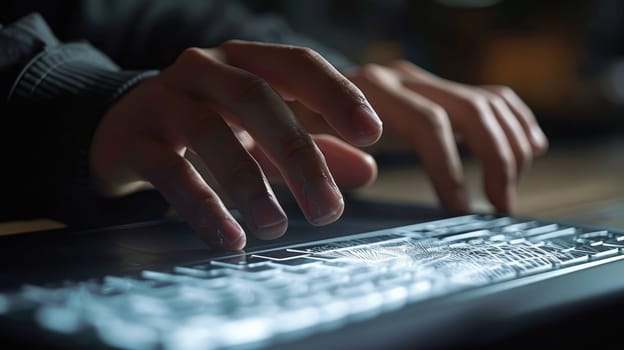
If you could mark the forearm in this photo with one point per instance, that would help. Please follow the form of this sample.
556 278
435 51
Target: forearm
53 97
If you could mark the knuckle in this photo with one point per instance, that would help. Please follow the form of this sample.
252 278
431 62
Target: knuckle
306 54
372 71
476 104
245 172
435 118
163 169
401 63
252 88
192 54
232 42
496 100
503 90
296 144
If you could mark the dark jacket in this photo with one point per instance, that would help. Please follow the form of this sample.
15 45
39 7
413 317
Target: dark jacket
63 63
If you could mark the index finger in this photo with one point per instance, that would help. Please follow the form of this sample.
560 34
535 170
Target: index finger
305 75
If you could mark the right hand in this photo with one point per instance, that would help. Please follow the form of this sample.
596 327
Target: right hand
193 106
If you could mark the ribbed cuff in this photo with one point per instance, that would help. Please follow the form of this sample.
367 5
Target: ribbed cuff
77 70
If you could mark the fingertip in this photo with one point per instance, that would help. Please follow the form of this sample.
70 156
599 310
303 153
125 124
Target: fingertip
350 167
267 219
459 204
501 195
323 203
272 231
539 141
237 243
330 216
507 203
372 168
366 125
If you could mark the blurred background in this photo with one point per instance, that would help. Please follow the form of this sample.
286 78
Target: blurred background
564 58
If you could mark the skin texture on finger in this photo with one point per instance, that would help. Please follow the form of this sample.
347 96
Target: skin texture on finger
325 90
518 140
471 115
350 167
525 116
311 121
237 173
485 138
267 118
132 119
177 180
426 126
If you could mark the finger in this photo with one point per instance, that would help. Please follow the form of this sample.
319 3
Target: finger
311 121
350 167
539 141
263 113
237 173
472 116
243 137
308 77
426 125
518 140
183 187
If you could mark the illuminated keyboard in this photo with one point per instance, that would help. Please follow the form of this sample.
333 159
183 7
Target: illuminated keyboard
267 297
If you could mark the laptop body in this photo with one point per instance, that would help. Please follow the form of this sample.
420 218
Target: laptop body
576 303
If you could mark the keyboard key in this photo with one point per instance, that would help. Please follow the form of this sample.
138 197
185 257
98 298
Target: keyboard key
201 272
59 319
570 231
254 299
467 236
598 251
614 243
541 230
297 320
240 262
280 255
564 258
295 263
518 227
596 235
127 335
329 247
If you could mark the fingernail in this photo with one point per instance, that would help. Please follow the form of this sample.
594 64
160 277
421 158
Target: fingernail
324 201
217 231
367 125
268 217
237 243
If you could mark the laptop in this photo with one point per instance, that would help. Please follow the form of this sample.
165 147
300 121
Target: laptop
384 276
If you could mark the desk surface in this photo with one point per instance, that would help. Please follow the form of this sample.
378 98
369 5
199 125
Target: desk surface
579 182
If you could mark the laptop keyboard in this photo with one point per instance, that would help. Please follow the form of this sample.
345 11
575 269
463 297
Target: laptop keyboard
256 300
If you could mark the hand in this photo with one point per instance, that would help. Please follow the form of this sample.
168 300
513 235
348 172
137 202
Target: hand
193 105
431 113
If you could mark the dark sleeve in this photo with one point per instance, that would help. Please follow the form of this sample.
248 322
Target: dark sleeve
53 97
152 33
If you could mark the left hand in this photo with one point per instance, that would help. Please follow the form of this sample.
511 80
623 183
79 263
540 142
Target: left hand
434 114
